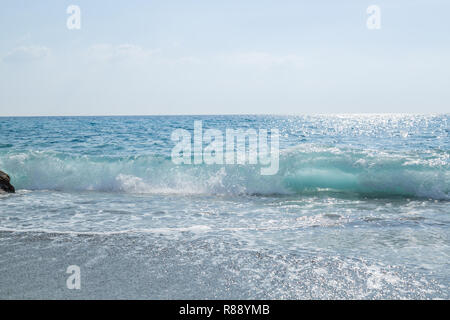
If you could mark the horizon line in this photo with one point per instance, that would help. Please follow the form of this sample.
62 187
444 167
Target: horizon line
224 114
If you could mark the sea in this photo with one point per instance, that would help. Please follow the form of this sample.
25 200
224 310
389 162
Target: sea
358 209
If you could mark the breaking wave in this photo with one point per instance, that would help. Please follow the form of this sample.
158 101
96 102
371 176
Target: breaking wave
303 170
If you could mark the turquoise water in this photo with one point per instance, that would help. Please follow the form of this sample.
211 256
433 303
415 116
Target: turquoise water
359 208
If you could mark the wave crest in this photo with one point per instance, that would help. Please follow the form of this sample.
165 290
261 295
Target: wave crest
305 169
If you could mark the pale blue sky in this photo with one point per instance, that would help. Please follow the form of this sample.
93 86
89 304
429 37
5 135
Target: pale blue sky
221 57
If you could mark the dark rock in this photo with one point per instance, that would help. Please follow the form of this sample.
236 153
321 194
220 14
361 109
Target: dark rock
5 184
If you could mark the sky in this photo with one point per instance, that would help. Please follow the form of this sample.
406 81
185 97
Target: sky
151 57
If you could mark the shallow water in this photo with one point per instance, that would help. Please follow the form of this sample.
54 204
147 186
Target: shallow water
358 209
